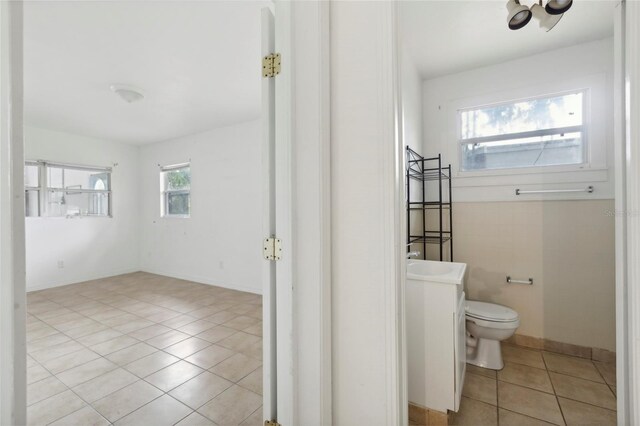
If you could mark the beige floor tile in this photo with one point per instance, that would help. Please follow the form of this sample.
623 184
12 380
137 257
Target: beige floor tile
475 413
210 356
135 325
163 315
529 402
67 326
255 329
99 337
126 400
199 390
217 333
164 411
524 375
241 322
86 416
240 341
179 321
36 373
487 372
56 351
480 388
509 418
196 419
44 389
74 359
114 345
236 367
583 390
253 381
255 350
204 312
167 339
149 332
196 327
221 317
579 414
71 316
187 347
572 366
151 363
76 333
102 386
232 406
173 375
40 332
45 316
46 342
122 319
130 354
522 356
608 372
255 419
86 372
53 408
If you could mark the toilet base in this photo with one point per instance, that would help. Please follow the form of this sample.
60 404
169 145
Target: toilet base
486 354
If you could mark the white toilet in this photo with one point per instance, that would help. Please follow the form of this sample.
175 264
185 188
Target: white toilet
488 324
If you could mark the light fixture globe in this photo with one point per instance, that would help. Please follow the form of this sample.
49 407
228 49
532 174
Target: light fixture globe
518 16
129 94
558 7
547 21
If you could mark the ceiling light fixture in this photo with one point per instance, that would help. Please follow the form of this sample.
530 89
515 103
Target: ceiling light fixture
519 15
128 93
548 16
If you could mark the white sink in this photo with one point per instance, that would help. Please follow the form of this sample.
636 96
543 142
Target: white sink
440 272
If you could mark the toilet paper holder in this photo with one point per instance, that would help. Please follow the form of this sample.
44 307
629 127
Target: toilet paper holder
512 281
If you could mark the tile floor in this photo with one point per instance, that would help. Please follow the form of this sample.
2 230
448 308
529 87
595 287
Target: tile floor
143 349
539 388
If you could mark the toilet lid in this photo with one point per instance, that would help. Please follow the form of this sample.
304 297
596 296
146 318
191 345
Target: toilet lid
490 311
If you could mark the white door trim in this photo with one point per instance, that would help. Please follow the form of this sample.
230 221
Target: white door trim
13 386
628 290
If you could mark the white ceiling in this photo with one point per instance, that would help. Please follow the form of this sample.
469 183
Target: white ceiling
445 37
198 64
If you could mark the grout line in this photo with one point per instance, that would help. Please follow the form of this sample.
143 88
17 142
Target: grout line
554 391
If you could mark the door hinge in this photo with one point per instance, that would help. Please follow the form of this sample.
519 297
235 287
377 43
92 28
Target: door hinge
271 65
272 248
271 423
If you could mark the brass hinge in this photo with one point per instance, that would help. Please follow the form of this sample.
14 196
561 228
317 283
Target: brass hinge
271 423
271 65
272 248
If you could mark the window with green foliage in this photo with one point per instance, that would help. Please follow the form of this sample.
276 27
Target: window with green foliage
175 184
542 131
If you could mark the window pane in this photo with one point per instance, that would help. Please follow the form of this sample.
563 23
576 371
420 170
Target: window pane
178 204
31 174
32 202
77 179
55 177
525 152
524 116
69 203
178 179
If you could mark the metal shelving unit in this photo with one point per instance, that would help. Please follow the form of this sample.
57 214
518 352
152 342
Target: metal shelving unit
421 171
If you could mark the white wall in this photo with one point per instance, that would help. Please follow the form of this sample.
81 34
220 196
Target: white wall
563 241
220 243
90 247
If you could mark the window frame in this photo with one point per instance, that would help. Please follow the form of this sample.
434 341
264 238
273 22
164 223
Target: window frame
44 189
164 192
583 129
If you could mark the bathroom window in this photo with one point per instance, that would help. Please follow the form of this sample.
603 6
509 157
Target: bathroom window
534 132
175 183
63 190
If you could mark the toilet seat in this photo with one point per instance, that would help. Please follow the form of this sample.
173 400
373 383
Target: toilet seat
499 325
491 315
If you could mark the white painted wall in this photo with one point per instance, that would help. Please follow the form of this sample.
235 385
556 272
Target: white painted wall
90 247
220 243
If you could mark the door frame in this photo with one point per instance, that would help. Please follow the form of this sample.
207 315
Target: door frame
13 352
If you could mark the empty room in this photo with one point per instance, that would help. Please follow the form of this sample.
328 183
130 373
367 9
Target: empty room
144 219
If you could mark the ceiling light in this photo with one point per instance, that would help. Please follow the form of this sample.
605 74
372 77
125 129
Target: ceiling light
127 93
546 20
519 15
558 7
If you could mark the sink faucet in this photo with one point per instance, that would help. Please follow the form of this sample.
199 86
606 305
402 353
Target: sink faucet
413 254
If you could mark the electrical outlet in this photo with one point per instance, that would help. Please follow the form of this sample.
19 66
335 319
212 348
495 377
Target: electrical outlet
60 264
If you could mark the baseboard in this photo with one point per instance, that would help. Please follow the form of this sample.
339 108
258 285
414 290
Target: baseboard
595 354
426 417
81 279
200 280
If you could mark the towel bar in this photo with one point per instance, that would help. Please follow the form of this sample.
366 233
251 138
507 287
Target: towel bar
588 189
512 281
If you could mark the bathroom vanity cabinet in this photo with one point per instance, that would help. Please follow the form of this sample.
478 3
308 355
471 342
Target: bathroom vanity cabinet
436 334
